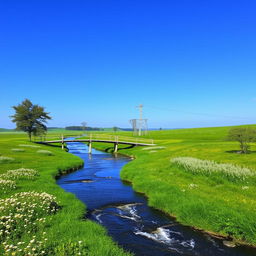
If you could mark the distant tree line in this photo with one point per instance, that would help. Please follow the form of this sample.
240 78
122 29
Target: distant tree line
53 127
81 128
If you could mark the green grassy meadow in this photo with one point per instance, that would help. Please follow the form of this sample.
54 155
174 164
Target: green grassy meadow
62 232
213 202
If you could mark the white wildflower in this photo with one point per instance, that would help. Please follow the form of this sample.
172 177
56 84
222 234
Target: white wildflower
207 167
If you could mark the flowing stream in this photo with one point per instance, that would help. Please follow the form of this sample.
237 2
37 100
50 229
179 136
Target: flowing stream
134 225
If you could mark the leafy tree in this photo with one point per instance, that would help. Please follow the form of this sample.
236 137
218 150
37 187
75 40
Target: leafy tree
115 128
244 135
30 118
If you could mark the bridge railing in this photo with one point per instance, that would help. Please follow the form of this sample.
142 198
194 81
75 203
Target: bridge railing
106 137
49 137
119 138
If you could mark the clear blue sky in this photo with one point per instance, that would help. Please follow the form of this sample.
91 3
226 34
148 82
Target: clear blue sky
191 63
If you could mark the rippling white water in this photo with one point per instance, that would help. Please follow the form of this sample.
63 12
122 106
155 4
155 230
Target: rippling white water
163 235
129 211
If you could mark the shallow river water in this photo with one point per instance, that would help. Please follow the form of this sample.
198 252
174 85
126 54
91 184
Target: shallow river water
135 226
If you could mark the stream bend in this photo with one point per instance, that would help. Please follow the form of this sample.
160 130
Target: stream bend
134 225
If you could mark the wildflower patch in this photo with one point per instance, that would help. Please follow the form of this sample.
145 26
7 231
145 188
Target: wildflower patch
35 246
207 167
23 212
7 185
22 173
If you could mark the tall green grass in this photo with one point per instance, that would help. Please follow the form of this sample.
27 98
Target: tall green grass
213 202
26 180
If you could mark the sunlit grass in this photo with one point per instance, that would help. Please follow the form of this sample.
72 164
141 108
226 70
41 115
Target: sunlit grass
214 202
18 149
55 228
45 152
6 159
29 146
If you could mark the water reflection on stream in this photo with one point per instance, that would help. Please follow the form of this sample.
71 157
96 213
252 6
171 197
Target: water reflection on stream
125 214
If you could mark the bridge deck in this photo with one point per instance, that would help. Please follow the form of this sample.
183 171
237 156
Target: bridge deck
99 140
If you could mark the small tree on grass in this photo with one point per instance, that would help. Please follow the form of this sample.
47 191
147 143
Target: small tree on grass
84 125
115 128
30 118
244 136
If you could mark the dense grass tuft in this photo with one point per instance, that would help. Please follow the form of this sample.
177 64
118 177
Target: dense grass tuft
153 148
29 146
207 167
45 152
6 159
18 150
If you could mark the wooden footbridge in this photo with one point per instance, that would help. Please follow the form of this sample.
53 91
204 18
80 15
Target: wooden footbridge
116 140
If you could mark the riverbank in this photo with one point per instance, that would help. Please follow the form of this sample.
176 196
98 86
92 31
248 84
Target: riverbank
212 203
59 228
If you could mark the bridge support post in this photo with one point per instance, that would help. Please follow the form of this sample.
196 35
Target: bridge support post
90 147
115 147
62 142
